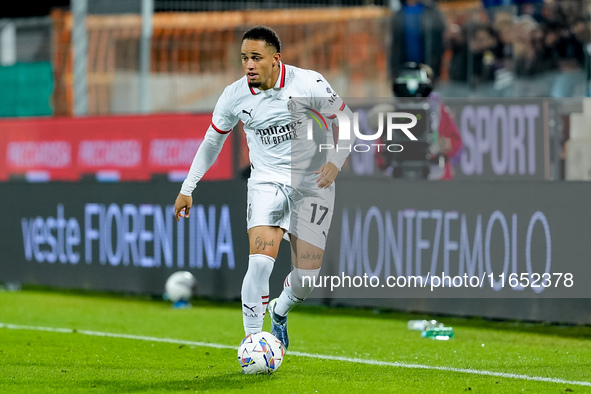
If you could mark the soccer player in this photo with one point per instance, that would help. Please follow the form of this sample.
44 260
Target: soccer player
291 186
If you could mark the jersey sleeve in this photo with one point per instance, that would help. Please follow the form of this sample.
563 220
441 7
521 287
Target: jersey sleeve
324 98
329 104
206 154
224 119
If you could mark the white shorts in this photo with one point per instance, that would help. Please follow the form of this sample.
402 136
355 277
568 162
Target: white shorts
304 212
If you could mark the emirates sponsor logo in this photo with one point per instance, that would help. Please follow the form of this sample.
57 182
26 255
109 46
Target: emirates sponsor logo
276 134
278 130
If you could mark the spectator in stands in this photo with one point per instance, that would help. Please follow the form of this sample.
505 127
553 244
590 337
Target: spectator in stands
526 47
484 53
504 29
532 8
456 39
549 56
570 48
417 35
449 143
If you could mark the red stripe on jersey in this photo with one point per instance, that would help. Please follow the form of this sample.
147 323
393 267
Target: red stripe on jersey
282 84
251 89
287 281
263 297
220 131
342 107
331 116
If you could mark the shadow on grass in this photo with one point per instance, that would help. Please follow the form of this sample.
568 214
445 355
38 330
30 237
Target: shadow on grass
316 307
221 382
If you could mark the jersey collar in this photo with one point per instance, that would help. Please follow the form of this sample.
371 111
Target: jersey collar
280 83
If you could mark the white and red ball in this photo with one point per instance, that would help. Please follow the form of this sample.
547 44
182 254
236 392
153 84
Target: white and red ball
260 353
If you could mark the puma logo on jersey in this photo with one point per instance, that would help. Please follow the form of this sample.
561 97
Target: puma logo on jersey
249 308
319 80
247 113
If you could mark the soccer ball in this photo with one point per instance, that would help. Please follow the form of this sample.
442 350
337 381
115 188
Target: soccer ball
180 286
260 353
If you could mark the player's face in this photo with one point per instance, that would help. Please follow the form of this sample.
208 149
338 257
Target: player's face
260 63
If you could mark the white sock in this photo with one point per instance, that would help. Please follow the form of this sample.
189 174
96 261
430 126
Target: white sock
255 292
295 289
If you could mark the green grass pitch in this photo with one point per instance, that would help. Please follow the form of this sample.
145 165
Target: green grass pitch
125 344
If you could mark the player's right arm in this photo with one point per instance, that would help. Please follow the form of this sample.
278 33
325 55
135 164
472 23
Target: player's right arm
208 151
326 101
223 121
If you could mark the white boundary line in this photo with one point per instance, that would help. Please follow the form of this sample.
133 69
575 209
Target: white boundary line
298 354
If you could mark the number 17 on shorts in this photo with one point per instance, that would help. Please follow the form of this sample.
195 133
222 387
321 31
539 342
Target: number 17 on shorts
311 219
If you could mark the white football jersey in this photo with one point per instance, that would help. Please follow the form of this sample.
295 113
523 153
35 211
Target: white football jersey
275 126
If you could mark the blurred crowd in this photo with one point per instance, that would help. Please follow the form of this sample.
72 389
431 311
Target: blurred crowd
542 37
526 39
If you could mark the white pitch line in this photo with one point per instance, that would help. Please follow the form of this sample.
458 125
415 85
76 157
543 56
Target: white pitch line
298 354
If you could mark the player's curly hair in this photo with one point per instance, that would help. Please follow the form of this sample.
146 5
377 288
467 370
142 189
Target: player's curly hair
263 33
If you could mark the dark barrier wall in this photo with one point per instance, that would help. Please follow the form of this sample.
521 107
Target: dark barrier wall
502 239
123 237
507 246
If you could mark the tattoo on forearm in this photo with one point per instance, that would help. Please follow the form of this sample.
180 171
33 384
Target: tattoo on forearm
260 244
311 256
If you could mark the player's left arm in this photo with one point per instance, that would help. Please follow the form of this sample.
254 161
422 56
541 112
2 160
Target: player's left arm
330 103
